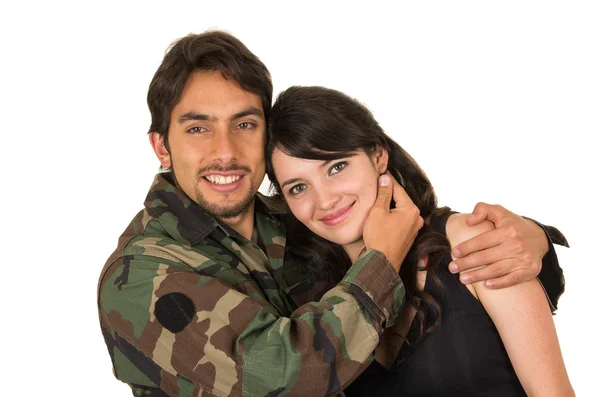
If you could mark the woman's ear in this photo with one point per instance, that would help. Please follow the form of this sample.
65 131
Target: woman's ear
380 159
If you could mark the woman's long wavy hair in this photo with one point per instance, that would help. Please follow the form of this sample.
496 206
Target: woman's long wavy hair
324 124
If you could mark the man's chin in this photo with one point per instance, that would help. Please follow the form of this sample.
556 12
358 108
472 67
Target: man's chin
226 206
227 211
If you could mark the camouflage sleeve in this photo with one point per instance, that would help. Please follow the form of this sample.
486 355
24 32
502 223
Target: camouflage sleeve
189 334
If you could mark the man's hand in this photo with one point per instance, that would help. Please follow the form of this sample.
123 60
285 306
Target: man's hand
513 251
392 232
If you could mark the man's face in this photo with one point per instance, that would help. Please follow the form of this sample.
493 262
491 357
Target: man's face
216 139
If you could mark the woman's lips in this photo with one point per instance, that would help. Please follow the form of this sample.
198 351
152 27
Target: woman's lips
338 216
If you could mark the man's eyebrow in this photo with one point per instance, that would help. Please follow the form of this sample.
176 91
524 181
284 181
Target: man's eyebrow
192 116
293 180
251 111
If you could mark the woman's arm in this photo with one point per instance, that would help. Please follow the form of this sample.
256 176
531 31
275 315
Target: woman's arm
517 250
524 321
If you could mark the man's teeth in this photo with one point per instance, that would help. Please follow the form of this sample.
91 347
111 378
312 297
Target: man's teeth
222 180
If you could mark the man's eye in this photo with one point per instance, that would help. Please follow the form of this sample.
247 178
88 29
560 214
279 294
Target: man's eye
196 130
337 167
245 125
296 189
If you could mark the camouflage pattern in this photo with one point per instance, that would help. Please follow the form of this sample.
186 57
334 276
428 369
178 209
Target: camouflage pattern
245 335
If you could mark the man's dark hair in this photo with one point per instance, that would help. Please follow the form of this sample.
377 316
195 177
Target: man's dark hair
215 51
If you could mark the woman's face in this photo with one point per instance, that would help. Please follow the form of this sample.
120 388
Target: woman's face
332 198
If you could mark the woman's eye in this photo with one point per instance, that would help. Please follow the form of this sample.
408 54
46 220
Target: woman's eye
337 167
299 188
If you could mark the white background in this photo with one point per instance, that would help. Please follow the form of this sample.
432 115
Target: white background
498 102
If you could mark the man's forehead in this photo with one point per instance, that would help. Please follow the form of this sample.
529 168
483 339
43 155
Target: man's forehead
211 94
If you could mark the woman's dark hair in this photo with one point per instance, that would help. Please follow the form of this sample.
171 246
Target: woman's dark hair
324 124
216 51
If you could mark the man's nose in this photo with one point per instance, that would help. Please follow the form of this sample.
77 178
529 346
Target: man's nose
224 147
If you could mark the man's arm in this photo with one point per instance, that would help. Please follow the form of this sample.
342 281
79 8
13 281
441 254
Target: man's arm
171 324
551 276
514 252
187 332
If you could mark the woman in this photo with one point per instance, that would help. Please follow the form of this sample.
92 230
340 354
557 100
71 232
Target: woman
325 154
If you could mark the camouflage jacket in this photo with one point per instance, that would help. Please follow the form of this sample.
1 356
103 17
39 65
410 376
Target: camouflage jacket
189 307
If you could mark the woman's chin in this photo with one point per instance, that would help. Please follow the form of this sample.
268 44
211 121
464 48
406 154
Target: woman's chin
347 239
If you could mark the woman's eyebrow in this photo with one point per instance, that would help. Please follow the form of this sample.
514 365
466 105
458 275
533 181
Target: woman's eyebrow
293 180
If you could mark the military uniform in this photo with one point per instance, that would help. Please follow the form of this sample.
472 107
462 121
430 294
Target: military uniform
189 307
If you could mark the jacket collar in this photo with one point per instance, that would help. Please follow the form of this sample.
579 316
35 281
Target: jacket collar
181 217
186 221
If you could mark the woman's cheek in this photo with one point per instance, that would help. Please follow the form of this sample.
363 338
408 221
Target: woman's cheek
371 193
299 209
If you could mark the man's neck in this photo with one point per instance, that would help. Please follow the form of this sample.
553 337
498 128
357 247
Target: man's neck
243 224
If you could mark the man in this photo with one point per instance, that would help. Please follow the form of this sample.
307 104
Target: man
197 298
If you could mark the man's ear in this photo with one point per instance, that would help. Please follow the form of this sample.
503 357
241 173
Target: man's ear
380 159
160 149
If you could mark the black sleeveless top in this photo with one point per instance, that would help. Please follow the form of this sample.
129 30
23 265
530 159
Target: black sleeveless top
464 356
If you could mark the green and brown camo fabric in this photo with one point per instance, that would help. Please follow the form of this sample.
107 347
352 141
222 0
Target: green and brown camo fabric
188 307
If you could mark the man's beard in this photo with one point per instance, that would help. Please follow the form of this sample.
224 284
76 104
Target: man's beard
226 211
217 210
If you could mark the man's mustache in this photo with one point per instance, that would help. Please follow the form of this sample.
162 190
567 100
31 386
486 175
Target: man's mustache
222 168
